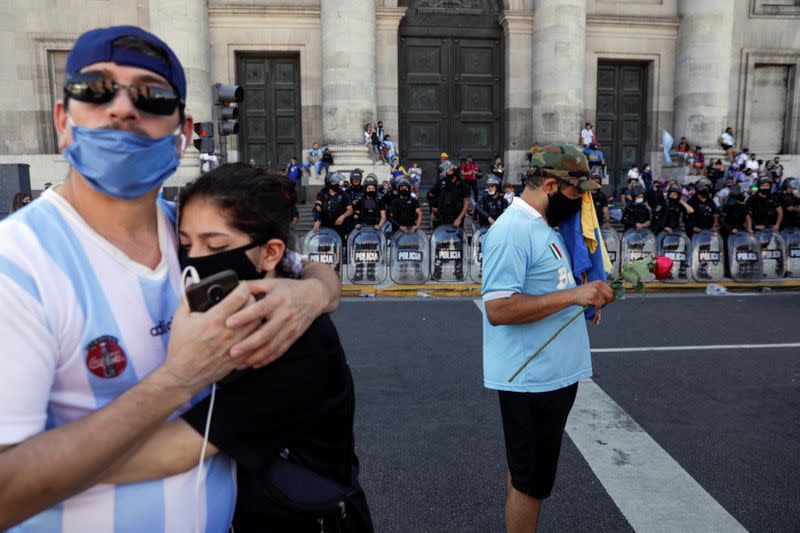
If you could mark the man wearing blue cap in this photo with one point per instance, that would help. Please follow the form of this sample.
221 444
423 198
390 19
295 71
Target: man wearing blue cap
97 350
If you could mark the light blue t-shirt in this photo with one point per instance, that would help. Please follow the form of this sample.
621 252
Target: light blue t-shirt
523 254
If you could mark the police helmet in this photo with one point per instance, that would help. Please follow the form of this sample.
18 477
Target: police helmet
371 180
355 175
403 182
790 182
676 189
637 190
737 191
492 181
702 182
764 181
333 179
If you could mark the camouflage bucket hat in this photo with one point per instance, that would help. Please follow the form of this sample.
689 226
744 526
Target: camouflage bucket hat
565 162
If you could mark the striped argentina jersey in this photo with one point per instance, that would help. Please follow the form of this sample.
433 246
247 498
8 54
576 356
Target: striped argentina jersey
81 323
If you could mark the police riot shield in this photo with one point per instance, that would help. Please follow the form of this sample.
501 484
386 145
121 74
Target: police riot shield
324 247
744 257
773 258
476 255
791 239
449 252
408 259
612 242
707 256
366 256
638 244
677 247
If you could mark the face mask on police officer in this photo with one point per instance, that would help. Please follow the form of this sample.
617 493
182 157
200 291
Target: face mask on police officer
371 192
404 192
561 208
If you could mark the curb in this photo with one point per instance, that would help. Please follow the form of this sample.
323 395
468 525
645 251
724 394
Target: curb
474 289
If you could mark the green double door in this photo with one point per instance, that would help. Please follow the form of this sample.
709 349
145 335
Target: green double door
269 117
621 117
451 100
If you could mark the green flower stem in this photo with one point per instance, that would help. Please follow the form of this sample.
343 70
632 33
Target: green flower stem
543 346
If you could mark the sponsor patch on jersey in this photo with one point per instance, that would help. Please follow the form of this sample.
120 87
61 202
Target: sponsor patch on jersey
105 358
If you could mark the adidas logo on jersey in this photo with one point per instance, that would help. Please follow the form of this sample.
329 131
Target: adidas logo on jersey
162 328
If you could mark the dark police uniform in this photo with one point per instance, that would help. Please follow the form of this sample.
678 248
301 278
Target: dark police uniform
449 197
368 214
333 206
763 209
669 215
490 207
635 214
703 216
790 219
404 212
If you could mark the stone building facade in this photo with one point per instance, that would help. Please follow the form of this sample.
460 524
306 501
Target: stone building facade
463 76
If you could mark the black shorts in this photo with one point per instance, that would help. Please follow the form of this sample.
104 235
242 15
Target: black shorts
533 425
726 147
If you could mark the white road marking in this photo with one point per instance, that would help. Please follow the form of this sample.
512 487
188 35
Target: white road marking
650 488
696 348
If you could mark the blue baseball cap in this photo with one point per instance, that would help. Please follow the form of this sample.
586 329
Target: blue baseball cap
97 45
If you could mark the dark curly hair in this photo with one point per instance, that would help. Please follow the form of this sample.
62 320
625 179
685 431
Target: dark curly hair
253 200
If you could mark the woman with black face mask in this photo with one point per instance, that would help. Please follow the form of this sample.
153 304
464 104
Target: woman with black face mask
289 425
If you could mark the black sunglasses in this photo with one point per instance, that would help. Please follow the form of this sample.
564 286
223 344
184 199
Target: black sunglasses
94 89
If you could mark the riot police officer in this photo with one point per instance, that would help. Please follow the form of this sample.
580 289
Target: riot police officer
451 197
704 213
356 190
406 214
491 203
672 211
600 201
333 207
764 209
734 213
791 203
638 214
369 211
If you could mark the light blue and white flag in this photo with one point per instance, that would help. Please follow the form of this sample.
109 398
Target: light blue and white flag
667 140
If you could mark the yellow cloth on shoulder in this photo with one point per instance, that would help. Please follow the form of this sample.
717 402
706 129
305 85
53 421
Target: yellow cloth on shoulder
589 224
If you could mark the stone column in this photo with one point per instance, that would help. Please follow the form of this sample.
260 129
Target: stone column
183 24
702 71
349 93
518 29
559 54
387 84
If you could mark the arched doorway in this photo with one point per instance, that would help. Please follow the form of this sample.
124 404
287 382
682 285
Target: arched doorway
451 79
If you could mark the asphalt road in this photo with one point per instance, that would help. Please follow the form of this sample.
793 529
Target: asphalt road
430 440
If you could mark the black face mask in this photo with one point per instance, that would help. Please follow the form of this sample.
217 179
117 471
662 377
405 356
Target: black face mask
560 208
235 260
404 193
371 194
764 192
334 187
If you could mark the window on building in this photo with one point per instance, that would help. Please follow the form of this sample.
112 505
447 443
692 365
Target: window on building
776 7
56 71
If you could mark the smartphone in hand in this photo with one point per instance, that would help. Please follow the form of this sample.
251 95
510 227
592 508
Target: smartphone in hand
208 292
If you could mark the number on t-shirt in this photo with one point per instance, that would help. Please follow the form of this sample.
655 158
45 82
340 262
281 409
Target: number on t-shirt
563 278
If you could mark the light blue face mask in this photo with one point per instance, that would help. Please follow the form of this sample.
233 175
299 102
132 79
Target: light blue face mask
120 163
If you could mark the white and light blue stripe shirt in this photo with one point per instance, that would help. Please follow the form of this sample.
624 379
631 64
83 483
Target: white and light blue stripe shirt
81 323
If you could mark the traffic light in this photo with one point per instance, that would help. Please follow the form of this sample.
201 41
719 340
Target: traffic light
227 114
205 144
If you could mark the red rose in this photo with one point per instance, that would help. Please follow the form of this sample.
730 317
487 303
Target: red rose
663 267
